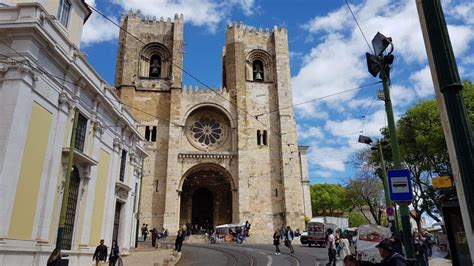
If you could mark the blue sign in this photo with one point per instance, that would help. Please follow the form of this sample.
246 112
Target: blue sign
399 183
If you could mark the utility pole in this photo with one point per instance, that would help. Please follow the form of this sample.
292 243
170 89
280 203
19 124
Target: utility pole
380 63
62 217
454 117
404 211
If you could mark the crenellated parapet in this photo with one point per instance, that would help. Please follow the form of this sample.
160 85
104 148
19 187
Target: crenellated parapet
203 90
178 19
236 31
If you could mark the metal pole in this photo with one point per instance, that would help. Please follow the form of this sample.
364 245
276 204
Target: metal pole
456 124
62 217
139 203
388 201
404 212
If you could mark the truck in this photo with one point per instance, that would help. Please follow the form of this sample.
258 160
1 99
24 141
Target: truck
317 226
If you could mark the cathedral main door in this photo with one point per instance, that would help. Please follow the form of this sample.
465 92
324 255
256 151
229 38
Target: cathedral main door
206 197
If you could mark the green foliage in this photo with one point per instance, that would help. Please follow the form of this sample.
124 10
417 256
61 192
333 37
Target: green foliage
356 219
328 199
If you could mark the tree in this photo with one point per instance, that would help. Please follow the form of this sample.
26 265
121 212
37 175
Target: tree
329 199
356 219
423 151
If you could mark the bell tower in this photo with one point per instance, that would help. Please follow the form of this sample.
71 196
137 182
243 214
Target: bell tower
256 71
148 79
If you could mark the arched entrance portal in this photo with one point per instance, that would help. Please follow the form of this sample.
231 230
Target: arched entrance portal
206 197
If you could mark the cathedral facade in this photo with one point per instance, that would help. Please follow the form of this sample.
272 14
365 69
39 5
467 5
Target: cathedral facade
217 155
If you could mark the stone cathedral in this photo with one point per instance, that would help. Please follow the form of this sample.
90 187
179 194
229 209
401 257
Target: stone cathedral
217 155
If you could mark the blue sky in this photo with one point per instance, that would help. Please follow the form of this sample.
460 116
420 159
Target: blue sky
327 55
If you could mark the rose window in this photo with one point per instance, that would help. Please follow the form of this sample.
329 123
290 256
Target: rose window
207 131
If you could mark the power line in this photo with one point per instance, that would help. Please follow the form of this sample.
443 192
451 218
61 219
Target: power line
321 98
360 29
179 67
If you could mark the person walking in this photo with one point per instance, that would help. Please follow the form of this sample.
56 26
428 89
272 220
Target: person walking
282 234
179 240
289 238
276 242
389 256
154 236
100 253
144 231
114 253
331 245
55 258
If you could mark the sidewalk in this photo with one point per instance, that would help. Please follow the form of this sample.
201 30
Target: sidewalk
438 258
156 257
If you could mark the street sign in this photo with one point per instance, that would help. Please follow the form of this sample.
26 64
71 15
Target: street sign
442 182
399 183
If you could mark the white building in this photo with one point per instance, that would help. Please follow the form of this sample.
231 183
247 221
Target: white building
44 78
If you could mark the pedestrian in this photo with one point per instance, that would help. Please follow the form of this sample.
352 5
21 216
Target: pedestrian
288 238
421 249
100 253
350 260
114 253
179 240
55 258
154 236
282 234
429 242
331 245
389 256
276 242
344 247
144 231
247 228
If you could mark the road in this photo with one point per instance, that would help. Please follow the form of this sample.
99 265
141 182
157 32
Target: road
250 254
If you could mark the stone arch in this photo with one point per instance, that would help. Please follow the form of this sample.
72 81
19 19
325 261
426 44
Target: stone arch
209 104
150 50
211 185
264 57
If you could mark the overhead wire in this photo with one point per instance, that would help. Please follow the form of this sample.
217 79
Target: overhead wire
360 29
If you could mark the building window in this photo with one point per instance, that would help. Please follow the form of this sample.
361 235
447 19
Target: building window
81 132
68 231
63 12
155 66
262 138
123 162
150 134
276 192
257 69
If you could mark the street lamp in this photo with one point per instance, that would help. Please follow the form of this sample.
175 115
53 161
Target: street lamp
388 202
380 62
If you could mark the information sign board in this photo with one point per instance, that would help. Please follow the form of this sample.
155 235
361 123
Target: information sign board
399 183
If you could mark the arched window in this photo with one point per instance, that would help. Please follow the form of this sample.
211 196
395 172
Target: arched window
257 69
155 66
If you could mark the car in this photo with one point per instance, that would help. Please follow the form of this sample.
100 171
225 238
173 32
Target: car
304 238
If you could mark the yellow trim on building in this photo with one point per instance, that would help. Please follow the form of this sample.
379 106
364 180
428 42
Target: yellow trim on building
99 199
26 196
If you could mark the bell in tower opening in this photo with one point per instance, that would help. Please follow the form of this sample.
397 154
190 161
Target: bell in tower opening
257 70
155 66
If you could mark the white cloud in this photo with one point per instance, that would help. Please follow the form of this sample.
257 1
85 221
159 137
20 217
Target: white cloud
205 13
422 82
337 63
311 132
97 29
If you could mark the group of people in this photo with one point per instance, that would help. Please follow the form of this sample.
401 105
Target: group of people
100 253
285 235
423 242
155 234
